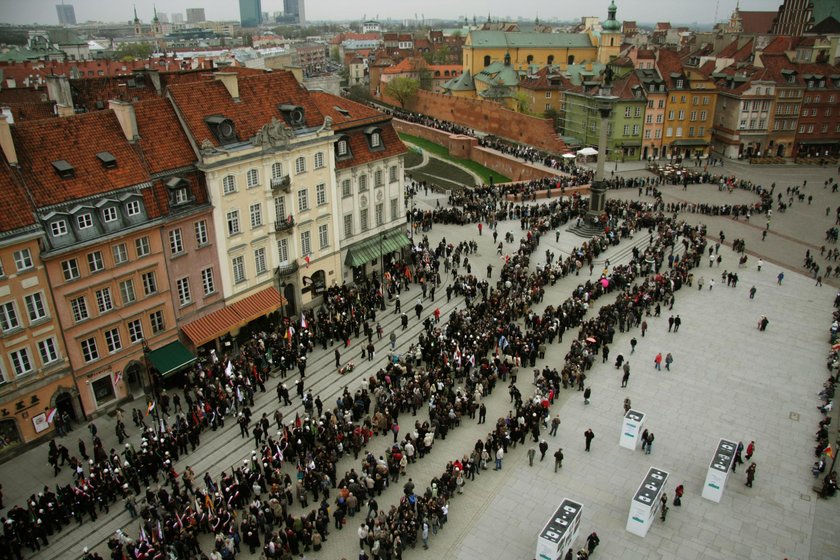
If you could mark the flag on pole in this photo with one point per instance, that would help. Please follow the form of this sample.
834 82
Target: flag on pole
51 415
303 324
829 451
307 259
150 408
117 377
229 369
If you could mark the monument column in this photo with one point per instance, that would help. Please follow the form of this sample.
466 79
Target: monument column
598 188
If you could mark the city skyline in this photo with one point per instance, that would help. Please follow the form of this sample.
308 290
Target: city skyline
642 11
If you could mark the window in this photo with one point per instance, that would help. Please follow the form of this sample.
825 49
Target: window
691 132
229 184
8 316
395 208
127 291
120 253
375 140
776 125
70 269
628 111
109 214
156 319
142 246
752 123
283 251
280 208
58 228
300 165
84 221
135 331
703 115
103 300
346 189
701 131
693 116
363 186
647 134
548 95
817 99
659 118
649 119
21 361
259 261
176 242
824 127
323 237
679 132
682 115
89 350
233 222
252 178
238 264
379 214
828 112
305 243
342 148
670 115
626 130
303 200
801 129
682 99
657 133
133 208
635 130
705 100
112 340
321 194
276 170
813 112
363 219
201 233
149 283
661 104
180 196
393 171
184 295
810 128
95 262
35 307
761 123
79 307
695 100
23 259
669 132
47 350
319 160
348 225
256 215
207 281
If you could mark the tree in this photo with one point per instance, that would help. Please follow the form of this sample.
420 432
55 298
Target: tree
133 51
402 89
521 102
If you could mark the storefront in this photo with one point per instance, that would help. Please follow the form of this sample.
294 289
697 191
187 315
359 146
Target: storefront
374 253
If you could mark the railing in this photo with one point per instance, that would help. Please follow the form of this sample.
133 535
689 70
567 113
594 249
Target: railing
284 225
286 269
284 183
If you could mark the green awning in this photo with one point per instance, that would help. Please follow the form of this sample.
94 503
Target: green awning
689 143
171 358
817 142
373 248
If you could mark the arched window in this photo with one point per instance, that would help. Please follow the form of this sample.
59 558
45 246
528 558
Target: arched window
529 59
570 59
276 170
551 59
486 60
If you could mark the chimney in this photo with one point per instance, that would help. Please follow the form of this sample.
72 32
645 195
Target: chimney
7 144
230 81
58 88
128 119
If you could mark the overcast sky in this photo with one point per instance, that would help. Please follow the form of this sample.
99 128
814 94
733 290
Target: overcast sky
683 11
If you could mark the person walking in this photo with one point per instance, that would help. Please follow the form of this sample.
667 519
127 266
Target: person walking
531 454
555 422
589 435
626 406
750 475
626 377
633 343
649 447
779 278
500 454
586 394
750 450
670 323
644 328
543 449
678 494
337 359
738 460
558 459
677 323
644 439
669 359
752 292
657 361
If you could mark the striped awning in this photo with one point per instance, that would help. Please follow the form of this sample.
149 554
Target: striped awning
230 317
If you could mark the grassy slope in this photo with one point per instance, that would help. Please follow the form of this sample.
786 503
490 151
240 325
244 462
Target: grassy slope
443 153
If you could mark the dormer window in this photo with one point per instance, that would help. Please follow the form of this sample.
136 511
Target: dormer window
58 228
84 221
374 136
64 169
679 84
342 148
178 191
293 115
107 159
109 214
222 128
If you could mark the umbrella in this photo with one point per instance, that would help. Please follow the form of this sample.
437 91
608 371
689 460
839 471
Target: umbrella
836 346
605 282
588 152
591 340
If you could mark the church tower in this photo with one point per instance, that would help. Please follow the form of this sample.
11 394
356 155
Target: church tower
609 43
156 28
137 30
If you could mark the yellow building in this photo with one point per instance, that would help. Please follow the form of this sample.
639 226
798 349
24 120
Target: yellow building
689 108
482 48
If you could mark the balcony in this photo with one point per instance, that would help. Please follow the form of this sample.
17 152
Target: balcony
284 225
286 269
283 183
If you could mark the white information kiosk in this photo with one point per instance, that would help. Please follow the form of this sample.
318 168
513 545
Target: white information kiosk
559 534
631 428
645 503
719 470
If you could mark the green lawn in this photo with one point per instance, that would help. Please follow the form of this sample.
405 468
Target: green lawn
443 153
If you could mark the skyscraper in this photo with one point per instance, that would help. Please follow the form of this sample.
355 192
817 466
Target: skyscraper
195 15
66 14
294 11
250 13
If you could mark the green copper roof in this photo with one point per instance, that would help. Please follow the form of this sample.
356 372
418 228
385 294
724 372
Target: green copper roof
464 82
502 39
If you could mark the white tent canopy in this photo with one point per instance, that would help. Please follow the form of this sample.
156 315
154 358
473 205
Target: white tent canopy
568 156
587 152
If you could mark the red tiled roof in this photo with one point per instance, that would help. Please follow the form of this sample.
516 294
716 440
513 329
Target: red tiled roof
77 140
23 112
757 22
163 142
362 153
359 114
205 329
23 95
668 63
17 211
259 99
